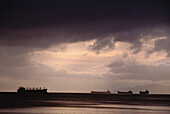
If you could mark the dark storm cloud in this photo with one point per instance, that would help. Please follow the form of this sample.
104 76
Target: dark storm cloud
45 23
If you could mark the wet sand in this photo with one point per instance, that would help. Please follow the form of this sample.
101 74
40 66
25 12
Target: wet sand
88 100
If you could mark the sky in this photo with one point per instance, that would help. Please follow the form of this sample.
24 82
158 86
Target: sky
84 45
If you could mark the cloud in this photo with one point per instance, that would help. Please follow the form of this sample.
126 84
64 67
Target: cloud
163 44
102 44
137 71
49 39
55 22
116 64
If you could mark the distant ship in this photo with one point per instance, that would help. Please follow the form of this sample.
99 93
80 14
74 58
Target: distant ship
125 93
144 92
32 90
101 92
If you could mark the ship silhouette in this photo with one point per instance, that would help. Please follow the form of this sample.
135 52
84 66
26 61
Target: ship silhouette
125 93
23 90
144 92
101 92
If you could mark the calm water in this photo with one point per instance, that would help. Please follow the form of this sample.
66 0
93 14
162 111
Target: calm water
87 108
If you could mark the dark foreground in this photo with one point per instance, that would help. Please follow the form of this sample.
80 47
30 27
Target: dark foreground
15 100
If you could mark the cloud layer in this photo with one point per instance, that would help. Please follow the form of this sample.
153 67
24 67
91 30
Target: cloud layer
42 24
108 44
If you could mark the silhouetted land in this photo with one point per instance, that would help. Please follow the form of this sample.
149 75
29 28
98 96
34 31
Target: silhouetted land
15 100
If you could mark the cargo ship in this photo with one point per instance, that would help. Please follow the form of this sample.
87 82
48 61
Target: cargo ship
23 90
101 92
144 92
125 93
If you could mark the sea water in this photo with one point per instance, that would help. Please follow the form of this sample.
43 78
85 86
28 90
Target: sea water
87 108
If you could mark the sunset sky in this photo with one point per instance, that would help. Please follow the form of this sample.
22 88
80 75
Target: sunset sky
84 45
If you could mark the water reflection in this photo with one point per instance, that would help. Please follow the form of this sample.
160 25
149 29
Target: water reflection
71 107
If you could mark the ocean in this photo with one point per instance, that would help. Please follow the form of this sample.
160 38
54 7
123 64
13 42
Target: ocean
73 103
90 109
